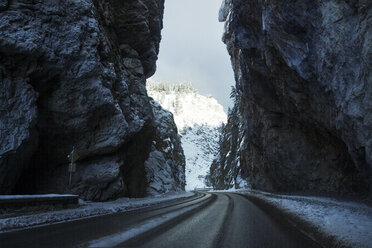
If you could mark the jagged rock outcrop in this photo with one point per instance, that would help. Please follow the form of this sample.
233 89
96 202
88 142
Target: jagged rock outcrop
303 70
165 167
73 73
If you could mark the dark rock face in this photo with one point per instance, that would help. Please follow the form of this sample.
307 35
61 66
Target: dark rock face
19 138
165 167
304 72
3 4
73 73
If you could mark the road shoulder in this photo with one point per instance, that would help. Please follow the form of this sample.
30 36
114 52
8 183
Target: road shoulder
329 222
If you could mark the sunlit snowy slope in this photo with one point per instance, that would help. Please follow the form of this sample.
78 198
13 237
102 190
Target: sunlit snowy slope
198 119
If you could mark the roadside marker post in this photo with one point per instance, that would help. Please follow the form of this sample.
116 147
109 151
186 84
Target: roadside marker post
72 157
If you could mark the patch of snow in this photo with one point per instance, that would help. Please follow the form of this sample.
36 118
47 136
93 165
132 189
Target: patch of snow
348 222
167 149
242 183
228 154
242 143
86 209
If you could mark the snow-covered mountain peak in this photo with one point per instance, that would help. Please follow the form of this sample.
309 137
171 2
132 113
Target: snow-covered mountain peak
198 119
188 107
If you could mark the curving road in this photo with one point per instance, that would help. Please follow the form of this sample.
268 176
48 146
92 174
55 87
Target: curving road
205 220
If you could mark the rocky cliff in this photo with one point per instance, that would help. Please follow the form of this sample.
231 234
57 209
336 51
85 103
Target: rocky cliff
73 73
165 167
303 70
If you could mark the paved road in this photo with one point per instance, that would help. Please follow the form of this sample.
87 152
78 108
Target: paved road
206 220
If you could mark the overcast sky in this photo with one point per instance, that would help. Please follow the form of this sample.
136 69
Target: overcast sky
191 49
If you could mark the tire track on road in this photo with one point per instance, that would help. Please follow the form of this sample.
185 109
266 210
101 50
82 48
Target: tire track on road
152 227
220 239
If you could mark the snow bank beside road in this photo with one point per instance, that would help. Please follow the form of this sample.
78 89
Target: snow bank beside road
348 223
86 209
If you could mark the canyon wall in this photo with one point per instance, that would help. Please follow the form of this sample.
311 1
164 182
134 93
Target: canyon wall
73 74
303 73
